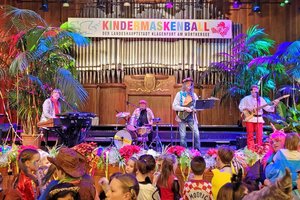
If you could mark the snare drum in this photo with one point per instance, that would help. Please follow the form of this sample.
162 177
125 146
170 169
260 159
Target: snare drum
132 123
144 130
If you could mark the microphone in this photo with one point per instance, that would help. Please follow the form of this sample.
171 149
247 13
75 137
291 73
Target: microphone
62 98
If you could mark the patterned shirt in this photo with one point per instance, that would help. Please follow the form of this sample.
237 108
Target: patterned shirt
197 189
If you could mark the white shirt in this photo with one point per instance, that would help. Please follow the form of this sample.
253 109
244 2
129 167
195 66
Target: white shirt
249 102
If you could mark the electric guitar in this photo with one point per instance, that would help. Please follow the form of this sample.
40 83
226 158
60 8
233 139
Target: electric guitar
247 115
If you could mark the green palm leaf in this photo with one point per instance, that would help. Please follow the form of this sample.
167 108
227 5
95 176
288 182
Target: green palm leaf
68 84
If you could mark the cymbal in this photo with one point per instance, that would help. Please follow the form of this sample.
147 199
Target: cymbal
122 114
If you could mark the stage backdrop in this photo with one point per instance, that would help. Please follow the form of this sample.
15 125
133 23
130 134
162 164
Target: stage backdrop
159 90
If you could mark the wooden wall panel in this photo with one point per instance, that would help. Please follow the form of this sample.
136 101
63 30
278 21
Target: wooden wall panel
111 100
106 99
281 23
158 90
226 113
160 105
92 103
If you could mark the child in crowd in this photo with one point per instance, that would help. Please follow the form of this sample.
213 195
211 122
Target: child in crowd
70 167
26 184
197 188
65 191
223 173
104 183
130 167
44 165
296 191
289 157
145 168
167 182
235 190
123 187
280 190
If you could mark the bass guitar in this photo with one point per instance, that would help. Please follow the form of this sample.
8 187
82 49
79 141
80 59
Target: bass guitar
247 115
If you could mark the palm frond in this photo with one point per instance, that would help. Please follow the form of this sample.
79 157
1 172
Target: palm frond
14 20
67 83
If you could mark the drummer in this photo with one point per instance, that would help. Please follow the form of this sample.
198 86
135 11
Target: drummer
144 116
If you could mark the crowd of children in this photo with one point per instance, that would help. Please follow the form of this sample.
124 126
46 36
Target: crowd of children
64 176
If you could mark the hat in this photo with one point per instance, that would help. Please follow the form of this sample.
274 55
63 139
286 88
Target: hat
187 79
254 86
142 102
70 161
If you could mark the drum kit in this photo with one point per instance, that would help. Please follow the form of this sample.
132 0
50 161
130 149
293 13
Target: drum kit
131 134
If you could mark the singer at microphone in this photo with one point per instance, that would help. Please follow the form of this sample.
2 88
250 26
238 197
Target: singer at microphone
252 107
52 106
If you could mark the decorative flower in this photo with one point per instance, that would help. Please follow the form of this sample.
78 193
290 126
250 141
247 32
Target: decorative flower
87 150
113 155
128 151
212 152
177 150
195 152
262 149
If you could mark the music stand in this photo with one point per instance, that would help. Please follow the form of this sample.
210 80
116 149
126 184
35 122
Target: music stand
202 105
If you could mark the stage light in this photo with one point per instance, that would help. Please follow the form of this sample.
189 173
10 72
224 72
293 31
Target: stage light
284 3
236 4
169 5
199 4
126 4
45 6
65 3
256 6
100 4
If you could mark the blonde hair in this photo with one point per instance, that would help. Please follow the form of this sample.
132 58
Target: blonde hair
292 141
129 184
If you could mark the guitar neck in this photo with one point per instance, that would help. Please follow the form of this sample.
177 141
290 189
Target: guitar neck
278 99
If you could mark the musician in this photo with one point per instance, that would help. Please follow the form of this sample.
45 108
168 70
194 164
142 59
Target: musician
144 116
255 124
51 106
184 101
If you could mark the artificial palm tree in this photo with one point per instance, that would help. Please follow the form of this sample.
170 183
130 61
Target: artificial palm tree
40 61
287 58
245 48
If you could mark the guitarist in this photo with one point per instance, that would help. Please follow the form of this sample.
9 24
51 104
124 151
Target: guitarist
255 124
183 104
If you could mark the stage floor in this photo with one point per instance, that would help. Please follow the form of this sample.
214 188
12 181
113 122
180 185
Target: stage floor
210 136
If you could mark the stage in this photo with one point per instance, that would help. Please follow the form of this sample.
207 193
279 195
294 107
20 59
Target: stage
210 136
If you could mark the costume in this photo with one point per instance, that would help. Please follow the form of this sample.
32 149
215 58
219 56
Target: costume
191 120
282 159
49 109
172 191
197 189
218 180
26 187
148 191
255 124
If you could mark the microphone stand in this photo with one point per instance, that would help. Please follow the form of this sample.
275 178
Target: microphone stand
131 104
257 116
69 105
